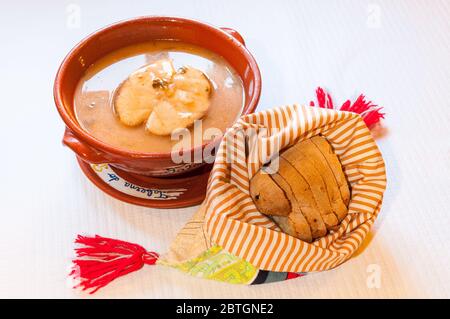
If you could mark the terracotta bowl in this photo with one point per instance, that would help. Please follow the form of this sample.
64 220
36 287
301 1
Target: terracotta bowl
223 41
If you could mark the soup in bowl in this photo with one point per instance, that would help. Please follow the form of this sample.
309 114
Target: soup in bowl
149 94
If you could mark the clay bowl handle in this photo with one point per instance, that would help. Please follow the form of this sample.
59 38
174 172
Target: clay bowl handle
85 152
234 34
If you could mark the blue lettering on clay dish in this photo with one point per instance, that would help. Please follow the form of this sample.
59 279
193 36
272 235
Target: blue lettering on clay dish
106 173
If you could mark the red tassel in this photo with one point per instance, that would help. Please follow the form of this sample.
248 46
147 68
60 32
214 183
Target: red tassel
292 275
324 99
102 260
369 112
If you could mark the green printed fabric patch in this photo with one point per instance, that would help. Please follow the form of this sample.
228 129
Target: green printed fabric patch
215 263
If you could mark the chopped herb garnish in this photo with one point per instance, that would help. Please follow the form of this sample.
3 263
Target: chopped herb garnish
160 84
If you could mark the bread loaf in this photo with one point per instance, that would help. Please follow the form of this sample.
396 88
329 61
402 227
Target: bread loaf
308 195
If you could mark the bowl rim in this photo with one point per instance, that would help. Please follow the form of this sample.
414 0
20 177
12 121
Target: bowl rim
108 148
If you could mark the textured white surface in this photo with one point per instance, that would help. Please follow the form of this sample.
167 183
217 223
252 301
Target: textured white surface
397 52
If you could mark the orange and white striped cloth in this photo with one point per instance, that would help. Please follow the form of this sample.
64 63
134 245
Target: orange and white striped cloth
232 220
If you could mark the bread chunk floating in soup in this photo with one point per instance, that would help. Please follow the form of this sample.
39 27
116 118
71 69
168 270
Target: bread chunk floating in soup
136 97
163 98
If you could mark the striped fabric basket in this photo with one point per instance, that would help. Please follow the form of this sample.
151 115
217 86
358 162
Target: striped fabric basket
228 239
